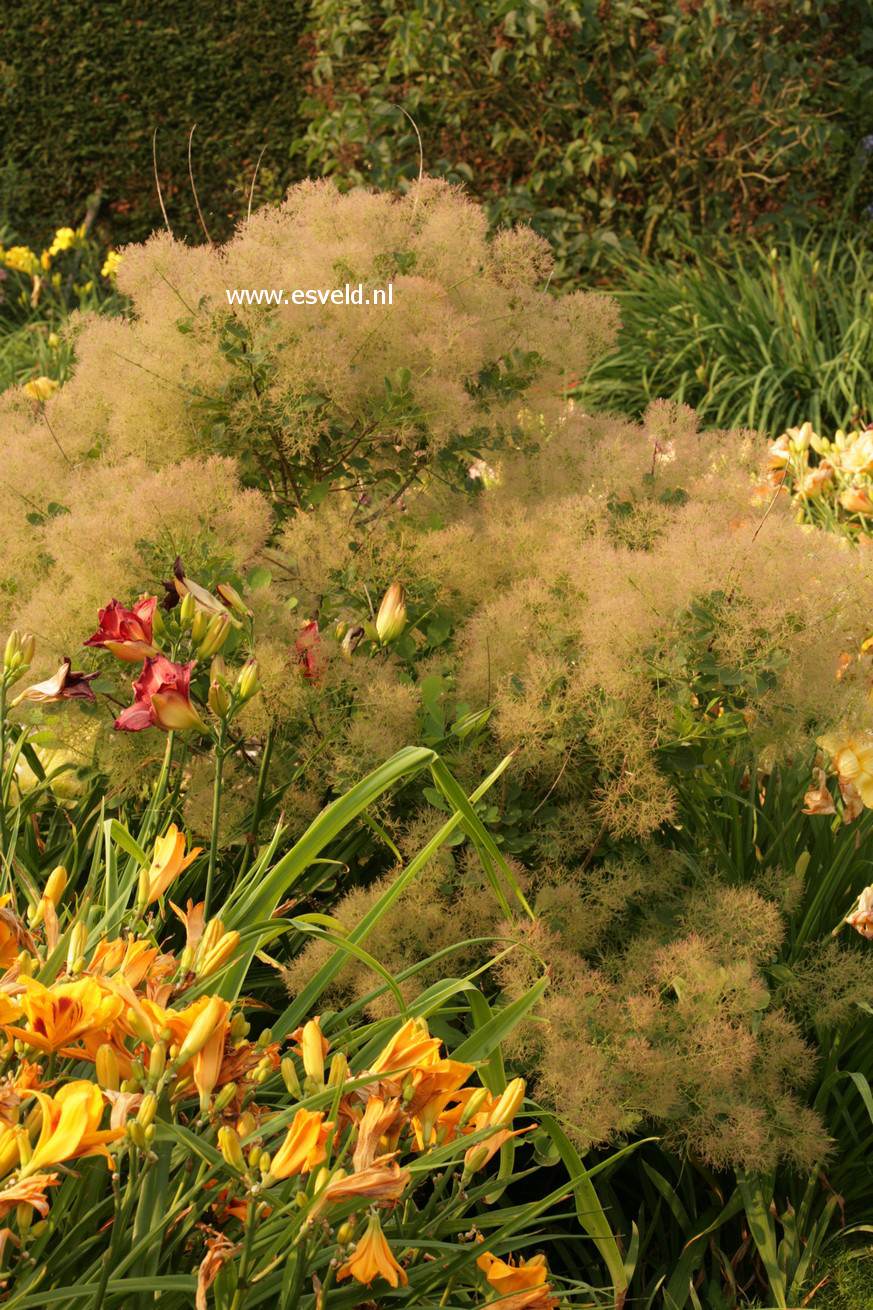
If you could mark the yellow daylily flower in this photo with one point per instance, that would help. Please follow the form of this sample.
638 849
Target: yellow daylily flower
168 862
60 1015
70 1127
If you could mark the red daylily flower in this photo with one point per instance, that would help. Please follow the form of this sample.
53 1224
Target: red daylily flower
310 652
125 633
162 699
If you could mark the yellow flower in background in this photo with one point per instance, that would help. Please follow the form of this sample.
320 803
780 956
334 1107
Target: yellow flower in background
64 238
70 1127
168 862
110 264
22 259
372 1258
40 389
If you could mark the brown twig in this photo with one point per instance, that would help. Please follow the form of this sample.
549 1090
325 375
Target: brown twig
157 180
194 188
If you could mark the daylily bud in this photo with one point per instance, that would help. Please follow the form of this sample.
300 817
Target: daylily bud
211 936
233 599
254 1156
187 610
345 1233
199 626
218 670
136 1133
248 683
57 881
22 1141
106 1067
264 1162
214 637
147 1110
157 1063
339 1070
219 955
265 1037
246 1124
509 1104
13 648
229 1145
473 1106
239 1027
477 1158
76 948
142 891
25 965
218 700
201 1030
186 959
391 619
224 1098
289 1077
28 648
312 1049
23 1217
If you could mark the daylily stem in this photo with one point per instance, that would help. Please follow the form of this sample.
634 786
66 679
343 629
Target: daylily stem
216 816
259 800
3 838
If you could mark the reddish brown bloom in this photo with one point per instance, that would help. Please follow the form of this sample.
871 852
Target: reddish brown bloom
65 685
125 633
162 699
310 652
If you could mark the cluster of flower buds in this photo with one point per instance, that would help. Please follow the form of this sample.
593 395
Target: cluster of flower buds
17 656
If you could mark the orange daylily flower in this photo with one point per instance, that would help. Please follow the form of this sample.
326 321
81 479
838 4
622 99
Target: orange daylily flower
379 1118
199 1031
856 500
303 1147
372 1258
522 1286
27 1191
69 1127
14 937
132 959
64 1013
380 1183
168 862
411 1045
218 1251
192 917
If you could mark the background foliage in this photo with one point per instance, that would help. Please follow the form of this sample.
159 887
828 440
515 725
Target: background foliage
604 124
82 89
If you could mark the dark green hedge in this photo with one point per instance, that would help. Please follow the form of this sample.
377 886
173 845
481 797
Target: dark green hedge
608 124
83 85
